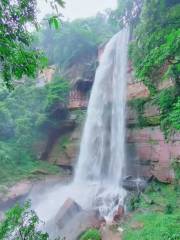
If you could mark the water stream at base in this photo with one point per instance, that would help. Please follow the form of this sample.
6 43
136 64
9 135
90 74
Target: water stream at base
102 154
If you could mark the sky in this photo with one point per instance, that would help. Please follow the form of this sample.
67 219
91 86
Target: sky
77 8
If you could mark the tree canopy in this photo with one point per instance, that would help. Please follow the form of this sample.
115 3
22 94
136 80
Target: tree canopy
17 57
75 40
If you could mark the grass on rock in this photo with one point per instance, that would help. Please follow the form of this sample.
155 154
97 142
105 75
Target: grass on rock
11 173
159 220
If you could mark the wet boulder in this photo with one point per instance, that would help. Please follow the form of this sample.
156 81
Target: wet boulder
80 223
68 210
132 184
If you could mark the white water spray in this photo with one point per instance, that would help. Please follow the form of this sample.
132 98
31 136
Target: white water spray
102 154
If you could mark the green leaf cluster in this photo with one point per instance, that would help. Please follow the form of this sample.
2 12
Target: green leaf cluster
174 117
17 57
156 39
22 223
92 234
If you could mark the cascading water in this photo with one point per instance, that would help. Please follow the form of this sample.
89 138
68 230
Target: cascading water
102 155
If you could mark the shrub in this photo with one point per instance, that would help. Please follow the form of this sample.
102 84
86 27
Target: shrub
21 223
168 209
91 234
174 117
176 168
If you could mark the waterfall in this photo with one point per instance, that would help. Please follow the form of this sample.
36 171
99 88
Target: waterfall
102 153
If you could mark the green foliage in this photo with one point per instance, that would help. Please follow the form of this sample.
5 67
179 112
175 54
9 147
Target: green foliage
176 169
57 91
54 23
64 142
165 99
75 40
168 209
174 117
155 55
91 234
156 39
17 163
157 226
80 115
159 221
168 104
133 202
138 106
17 56
21 223
27 114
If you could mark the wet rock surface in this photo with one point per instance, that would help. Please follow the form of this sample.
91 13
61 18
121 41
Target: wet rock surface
132 184
16 193
72 226
68 210
155 154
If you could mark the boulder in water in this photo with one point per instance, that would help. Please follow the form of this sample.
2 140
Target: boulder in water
131 184
81 222
68 210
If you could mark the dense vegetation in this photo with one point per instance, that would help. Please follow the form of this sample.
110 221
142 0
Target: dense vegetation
21 223
27 115
17 57
93 234
75 41
31 112
155 214
155 54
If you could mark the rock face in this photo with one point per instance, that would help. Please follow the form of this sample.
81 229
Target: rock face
136 185
65 154
154 153
148 152
15 193
137 90
77 100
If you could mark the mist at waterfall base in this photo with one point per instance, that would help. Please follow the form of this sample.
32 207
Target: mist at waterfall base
101 163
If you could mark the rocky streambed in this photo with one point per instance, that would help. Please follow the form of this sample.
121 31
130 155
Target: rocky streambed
71 220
